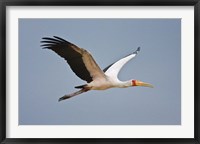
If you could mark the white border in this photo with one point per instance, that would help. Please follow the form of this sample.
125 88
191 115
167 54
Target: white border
185 130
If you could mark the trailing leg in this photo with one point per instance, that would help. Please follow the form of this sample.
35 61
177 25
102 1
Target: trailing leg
73 94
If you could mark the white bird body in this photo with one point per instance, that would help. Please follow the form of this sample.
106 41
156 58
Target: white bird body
100 84
85 67
108 82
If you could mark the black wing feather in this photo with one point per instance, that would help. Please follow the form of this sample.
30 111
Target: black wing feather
105 69
68 51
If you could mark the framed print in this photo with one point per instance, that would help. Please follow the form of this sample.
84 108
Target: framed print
99 72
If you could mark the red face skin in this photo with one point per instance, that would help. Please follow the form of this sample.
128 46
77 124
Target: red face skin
134 83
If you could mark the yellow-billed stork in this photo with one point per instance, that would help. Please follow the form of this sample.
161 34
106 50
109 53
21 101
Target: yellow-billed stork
85 67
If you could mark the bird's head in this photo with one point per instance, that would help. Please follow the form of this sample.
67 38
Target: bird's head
140 83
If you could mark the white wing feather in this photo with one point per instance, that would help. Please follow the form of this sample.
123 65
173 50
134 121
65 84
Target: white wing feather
113 70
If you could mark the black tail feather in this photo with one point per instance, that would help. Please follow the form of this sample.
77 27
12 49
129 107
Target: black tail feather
80 87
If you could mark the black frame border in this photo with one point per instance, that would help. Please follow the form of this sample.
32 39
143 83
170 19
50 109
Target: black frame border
5 3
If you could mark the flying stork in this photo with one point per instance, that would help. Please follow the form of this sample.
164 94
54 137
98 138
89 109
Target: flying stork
85 67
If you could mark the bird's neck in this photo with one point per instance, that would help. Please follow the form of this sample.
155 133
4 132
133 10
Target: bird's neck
124 84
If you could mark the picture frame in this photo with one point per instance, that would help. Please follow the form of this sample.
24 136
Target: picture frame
3 107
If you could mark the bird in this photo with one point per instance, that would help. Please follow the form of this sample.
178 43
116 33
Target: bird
85 67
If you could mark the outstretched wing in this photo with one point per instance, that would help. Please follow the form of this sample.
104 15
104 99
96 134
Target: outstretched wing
80 60
113 69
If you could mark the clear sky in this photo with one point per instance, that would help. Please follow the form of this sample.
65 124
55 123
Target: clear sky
44 76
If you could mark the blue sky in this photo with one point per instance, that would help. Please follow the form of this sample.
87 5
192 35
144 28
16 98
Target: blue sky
44 76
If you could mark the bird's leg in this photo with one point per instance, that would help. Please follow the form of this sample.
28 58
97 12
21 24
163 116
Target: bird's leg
73 94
